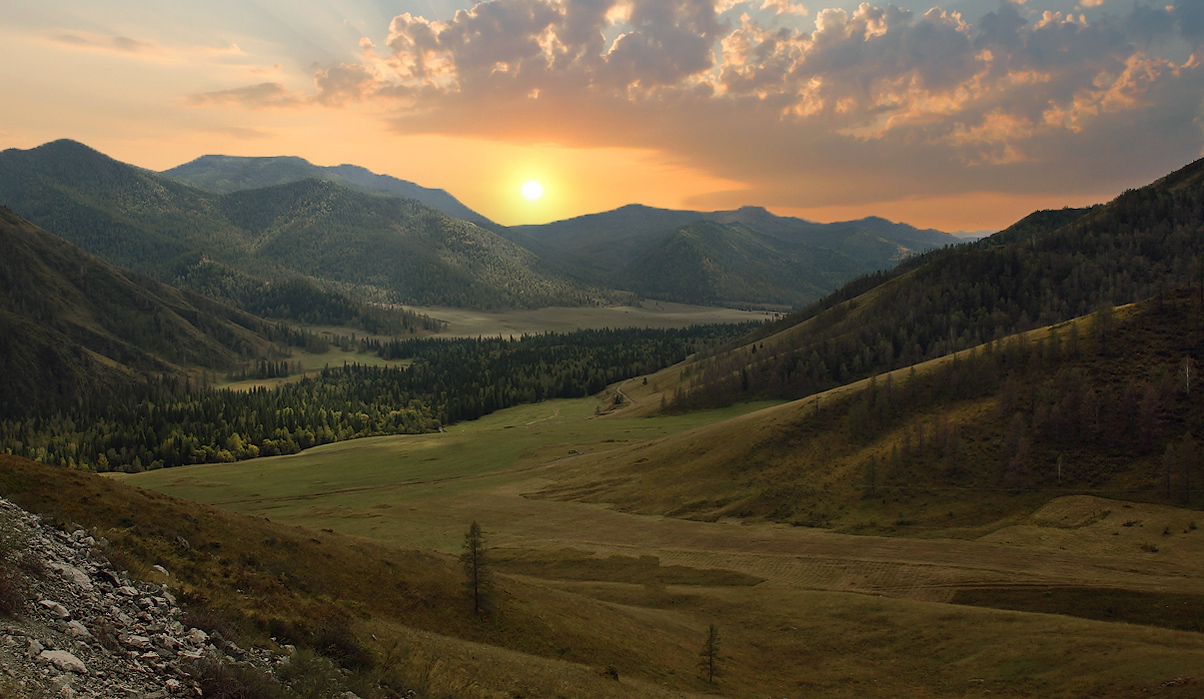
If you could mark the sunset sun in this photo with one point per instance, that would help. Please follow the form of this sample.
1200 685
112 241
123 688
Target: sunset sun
532 190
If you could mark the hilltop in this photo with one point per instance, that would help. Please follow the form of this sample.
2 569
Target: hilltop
745 256
332 240
225 174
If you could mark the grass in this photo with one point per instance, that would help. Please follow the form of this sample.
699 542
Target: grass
411 488
830 615
619 535
649 314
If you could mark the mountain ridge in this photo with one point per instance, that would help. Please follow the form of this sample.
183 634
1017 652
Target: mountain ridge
225 174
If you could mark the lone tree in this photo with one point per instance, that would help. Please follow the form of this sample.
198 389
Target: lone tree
709 664
476 568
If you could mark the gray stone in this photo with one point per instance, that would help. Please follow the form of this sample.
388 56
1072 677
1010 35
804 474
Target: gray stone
75 575
64 661
78 630
197 637
134 641
55 608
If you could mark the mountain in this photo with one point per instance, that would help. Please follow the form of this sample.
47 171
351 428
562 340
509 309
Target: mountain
224 174
1098 405
761 257
75 328
1047 268
711 263
371 246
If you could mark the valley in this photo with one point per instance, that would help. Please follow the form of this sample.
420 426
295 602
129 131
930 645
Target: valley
972 473
819 606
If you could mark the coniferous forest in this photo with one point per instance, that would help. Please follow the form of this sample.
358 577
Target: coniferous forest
170 423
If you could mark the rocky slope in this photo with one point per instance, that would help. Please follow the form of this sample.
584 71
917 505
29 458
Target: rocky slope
72 626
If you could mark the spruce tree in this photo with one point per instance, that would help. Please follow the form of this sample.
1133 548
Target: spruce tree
476 569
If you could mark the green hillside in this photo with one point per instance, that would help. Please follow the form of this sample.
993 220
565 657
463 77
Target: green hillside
76 327
1049 267
712 263
731 257
372 247
225 174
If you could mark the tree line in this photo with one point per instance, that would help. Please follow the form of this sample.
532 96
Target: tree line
1048 270
171 422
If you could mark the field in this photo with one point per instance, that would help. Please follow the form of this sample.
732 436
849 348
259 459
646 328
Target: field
463 322
803 611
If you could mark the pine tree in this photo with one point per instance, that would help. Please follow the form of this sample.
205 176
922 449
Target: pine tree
709 663
476 569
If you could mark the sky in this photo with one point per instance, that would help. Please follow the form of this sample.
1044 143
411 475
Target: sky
960 116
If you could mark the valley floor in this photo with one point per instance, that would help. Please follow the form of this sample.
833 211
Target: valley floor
805 612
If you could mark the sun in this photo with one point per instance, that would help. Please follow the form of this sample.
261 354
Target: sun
532 190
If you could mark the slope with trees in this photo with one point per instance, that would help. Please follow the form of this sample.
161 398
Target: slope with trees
371 246
1103 405
76 329
634 248
224 174
1050 267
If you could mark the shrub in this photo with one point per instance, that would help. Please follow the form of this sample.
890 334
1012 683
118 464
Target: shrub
222 680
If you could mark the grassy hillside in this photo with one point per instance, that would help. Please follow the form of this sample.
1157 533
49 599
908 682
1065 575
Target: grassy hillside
77 328
370 245
1103 405
1058 265
834 614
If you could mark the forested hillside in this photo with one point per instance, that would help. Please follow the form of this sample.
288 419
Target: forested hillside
1107 404
76 328
225 174
723 257
371 247
1048 268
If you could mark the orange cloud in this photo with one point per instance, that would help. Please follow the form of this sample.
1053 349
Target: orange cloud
902 105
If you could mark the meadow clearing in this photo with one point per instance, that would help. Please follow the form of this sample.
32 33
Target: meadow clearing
805 611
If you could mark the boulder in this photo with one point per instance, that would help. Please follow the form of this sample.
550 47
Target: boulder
64 661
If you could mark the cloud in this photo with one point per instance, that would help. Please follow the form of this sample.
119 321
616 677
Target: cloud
253 96
784 7
241 133
902 104
108 43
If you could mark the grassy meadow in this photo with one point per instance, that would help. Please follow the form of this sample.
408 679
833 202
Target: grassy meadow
464 322
803 611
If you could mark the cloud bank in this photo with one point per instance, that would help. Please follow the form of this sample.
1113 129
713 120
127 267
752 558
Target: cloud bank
808 107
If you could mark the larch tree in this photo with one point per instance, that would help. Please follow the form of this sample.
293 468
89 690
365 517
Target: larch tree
476 569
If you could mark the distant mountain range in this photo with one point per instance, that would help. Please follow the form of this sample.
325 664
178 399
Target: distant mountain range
365 245
232 227
224 174
723 257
